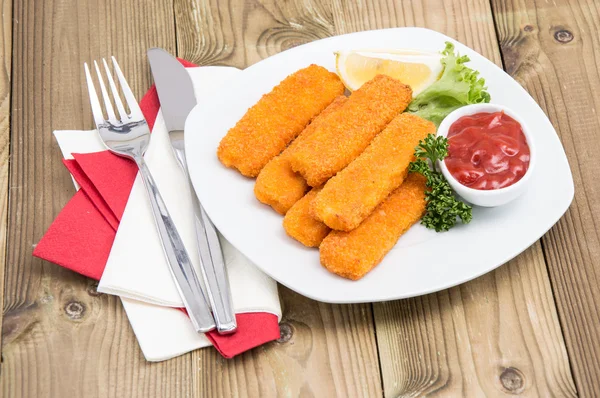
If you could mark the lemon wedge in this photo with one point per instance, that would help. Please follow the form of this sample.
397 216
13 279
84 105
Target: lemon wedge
418 69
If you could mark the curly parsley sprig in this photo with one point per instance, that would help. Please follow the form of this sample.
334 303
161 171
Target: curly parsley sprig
443 208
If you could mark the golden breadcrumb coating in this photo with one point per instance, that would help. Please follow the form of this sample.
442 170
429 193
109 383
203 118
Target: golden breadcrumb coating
277 118
353 254
367 111
300 225
352 194
277 184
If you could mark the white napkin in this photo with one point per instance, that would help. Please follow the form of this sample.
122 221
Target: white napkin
137 267
137 270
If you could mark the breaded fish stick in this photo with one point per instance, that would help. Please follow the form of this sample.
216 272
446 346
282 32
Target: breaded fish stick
300 225
351 195
277 184
277 118
332 147
353 254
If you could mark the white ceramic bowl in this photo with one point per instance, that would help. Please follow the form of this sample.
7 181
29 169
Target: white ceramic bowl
494 197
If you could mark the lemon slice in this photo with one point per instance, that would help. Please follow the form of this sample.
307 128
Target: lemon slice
418 69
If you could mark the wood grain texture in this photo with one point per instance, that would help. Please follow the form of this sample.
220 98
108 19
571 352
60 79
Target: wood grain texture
60 338
325 349
242 32
553 50
5 69
497 335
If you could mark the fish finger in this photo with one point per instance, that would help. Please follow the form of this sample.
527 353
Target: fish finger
353 254
333 146
277 118
300 225
352 194
277 185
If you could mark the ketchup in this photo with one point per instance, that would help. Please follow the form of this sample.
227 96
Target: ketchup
487 151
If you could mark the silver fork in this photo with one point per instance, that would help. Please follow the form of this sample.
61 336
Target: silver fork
129 136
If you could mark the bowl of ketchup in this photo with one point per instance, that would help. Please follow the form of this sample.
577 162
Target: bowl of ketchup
490 154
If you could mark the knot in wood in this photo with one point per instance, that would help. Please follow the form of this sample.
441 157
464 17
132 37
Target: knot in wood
563 36
528 28
292 43
512 380
92 290
75 310
286 332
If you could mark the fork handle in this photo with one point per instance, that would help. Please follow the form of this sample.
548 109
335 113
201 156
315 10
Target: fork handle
181 268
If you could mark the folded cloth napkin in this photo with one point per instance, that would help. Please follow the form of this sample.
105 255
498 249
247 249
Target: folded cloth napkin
83 238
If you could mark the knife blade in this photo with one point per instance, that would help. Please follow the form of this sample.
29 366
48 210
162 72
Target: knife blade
177 99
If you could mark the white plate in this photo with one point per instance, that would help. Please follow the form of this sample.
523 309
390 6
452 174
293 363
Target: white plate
423 261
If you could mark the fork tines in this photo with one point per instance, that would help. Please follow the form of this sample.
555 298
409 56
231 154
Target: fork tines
135 111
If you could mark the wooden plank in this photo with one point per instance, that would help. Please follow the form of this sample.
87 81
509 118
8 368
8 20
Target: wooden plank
5 69
60 338
243 32
496 335
553 50
325 349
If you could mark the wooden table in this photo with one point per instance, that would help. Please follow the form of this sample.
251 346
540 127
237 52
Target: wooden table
531 327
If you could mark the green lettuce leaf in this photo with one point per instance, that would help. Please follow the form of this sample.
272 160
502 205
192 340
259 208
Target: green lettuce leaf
459 85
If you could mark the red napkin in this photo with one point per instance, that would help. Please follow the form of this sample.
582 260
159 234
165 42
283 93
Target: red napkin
79 239
81 236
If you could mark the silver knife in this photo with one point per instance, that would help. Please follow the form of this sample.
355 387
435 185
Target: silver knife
176 95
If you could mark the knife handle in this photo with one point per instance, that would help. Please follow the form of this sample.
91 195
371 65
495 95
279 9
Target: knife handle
217 280
212 264
178 259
